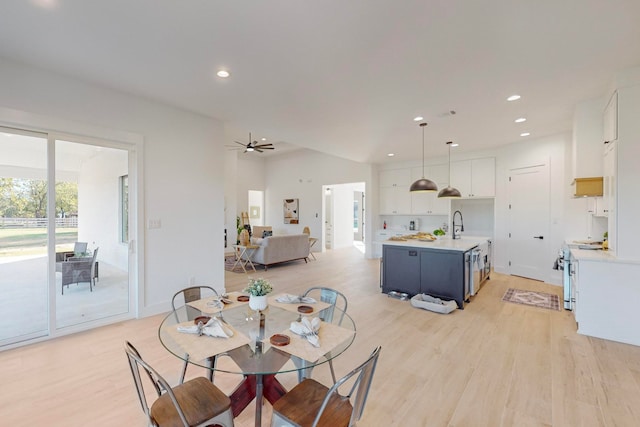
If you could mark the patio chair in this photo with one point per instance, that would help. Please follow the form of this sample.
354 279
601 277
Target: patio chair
195 403
79 270
311 404
78 248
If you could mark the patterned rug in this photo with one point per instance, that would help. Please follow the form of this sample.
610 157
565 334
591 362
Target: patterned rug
228 265
536 299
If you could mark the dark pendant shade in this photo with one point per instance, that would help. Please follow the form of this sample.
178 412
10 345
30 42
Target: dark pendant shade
449 193
424 185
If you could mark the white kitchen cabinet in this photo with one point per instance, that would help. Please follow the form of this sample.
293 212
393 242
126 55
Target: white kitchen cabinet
474 178
395 178
610 119
607 298
395 198
395 201
609 178
429 203
596 206
621 162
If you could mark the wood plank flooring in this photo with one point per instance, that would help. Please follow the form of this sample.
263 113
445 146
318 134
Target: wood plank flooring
492 364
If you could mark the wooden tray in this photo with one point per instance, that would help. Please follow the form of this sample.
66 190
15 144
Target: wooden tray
305 309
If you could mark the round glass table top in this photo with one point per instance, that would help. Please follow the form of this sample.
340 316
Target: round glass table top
250 345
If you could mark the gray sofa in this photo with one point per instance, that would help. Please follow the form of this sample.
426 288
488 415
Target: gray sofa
276 249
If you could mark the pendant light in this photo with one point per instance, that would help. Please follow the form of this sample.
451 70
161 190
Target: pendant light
449 192
423 185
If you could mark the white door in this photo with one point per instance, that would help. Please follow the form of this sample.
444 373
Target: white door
528 220
328 218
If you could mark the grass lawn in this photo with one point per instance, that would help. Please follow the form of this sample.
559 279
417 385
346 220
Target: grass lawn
32 241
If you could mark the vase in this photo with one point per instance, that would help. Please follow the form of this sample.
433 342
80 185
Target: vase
258 303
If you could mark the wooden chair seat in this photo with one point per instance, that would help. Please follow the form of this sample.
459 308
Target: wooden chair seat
199 399
302 403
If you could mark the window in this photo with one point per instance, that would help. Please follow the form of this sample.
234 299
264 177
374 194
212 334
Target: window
124 208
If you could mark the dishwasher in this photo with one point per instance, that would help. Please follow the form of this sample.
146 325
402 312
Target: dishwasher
476 270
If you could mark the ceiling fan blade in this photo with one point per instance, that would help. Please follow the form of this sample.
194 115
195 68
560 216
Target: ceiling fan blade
263 147
257 149
241 143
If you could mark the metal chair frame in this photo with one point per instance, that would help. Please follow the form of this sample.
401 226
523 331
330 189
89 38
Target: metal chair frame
330 296
160 385
361 387
193 293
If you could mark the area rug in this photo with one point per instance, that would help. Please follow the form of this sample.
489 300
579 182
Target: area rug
536 299
228 265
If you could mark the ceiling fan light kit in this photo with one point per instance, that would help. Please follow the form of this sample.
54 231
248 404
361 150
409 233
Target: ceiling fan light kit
423 185
255 146
449 192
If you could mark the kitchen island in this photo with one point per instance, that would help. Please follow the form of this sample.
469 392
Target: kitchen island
440 268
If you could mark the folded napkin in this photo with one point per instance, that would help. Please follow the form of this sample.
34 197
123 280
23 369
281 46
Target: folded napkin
295 299
213 328
308 329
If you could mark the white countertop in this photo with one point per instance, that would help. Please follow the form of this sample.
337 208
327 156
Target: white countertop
599 255
446 243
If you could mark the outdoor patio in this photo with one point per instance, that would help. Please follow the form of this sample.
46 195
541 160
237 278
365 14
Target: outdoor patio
23 307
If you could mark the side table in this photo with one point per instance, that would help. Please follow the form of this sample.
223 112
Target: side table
312 241
243 256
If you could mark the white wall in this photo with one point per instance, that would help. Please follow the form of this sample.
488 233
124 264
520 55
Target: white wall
301 174
182 162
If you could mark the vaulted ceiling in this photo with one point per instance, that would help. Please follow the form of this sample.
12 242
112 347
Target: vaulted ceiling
342 77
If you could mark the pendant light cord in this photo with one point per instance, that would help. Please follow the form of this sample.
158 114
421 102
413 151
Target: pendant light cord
422 125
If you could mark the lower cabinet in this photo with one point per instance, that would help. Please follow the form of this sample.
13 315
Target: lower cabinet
401 269
442 275
439 273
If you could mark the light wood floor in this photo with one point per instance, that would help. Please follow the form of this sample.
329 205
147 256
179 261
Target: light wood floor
492 364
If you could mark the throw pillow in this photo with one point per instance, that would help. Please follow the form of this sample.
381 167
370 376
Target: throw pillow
267 233
256 240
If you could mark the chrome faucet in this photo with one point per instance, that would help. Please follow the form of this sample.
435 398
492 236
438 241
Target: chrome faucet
454 232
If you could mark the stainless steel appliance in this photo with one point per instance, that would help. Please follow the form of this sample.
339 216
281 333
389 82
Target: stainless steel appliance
480 266
564 263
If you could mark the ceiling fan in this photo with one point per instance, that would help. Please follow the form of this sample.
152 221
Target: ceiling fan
255 146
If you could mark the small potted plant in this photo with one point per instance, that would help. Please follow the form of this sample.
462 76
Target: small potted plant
258 289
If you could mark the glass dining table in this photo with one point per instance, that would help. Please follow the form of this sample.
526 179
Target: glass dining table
257 346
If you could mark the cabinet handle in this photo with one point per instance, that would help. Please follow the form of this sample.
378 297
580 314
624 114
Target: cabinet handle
538 237
413 253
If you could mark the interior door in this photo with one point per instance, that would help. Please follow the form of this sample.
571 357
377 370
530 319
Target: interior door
528 190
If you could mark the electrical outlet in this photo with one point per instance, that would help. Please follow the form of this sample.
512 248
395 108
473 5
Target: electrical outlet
154 223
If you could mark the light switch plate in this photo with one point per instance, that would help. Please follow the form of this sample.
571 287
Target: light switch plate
154 223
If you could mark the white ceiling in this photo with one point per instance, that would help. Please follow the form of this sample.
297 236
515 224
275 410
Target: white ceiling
344 77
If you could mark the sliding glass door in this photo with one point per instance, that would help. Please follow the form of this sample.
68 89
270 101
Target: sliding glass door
64 243
92 268
24 305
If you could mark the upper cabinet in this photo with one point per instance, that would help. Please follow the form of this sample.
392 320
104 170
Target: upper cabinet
610 120
474 178
395 198
429 203
587 139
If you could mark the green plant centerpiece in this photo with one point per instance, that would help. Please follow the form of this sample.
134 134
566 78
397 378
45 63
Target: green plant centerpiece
258 289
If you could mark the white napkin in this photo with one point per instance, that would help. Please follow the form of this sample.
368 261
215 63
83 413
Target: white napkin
308 329
295 299
213 328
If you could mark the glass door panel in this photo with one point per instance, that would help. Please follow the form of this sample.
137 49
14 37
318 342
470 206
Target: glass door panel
92 268
24 307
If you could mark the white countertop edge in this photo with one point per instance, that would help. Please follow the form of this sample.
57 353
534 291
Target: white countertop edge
447 243
599 255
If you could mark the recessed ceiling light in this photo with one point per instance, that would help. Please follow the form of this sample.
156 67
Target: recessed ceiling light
513 98
520 120
223 73
263 139
525 134
391 154
417 119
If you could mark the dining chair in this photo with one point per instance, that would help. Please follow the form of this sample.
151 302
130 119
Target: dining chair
193 293
195 403
335 299
312 404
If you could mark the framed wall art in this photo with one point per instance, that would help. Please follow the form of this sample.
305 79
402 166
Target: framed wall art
291 212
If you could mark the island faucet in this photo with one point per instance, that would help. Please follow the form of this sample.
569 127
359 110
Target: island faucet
454 232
